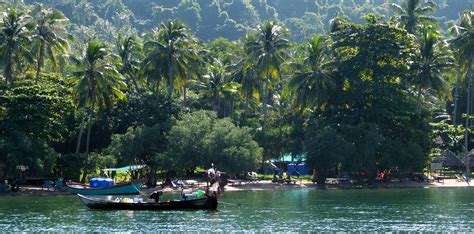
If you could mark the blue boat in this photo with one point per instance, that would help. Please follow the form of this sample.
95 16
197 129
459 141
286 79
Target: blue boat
106 186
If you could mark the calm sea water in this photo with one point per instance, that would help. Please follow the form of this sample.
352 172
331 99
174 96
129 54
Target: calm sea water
431 209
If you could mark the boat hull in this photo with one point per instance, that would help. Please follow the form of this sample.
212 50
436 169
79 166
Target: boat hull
207 203
123 189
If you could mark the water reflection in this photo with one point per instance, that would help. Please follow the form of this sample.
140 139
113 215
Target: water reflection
267 211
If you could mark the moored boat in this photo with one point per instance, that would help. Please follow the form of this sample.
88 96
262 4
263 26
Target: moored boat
106 186
204 203
118 189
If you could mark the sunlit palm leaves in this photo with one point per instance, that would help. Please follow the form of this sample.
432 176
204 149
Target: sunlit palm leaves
243 72
97 81
464 47
311 85
219 89
431 63
414 13
98 75
168 51
129 49
14 41
267 48
49 37
463 42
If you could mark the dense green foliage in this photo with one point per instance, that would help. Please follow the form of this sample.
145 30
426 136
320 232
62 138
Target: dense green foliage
179 85
371 114
200 139
230 19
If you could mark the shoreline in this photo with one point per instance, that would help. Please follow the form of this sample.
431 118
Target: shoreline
266 185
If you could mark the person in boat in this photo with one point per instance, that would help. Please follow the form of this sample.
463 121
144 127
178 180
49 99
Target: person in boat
155 197
212 181
103 175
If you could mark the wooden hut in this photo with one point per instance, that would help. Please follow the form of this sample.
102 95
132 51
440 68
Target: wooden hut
449 159
471 159
446 160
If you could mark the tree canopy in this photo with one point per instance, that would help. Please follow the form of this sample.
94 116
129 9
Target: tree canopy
359 87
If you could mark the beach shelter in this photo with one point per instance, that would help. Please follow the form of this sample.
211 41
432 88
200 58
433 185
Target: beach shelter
448 159
293 164
471 158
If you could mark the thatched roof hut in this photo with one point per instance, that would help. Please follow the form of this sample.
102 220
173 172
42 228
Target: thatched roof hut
471 158
449 159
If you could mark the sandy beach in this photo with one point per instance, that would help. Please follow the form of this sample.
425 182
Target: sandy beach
263 185
268 185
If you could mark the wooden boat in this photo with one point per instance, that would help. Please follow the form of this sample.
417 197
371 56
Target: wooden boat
204 203
132 187
119 189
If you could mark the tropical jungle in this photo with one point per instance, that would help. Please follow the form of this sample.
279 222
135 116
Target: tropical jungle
356 86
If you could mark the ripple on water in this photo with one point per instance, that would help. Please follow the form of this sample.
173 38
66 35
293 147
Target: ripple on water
279 211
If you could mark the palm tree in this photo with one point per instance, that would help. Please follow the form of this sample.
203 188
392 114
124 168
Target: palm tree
97 81
268 50
312 85
168 51
245 75
48 37
430 65
244 72
413 13
218 88
464 48
13 41
129 50
196 66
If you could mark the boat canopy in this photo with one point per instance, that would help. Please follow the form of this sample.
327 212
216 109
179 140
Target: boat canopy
127 168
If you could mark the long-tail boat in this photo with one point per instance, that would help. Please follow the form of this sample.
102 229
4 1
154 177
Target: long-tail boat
132 187
119 189
195 201
203 203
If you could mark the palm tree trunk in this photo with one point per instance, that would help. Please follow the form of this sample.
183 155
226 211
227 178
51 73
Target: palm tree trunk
135 84
456 95
231 106
133 76
91 113
246 107
184 94
418 102
8 70
218 106
468 112
265 100
170 78
40 63
265 96
468 117
81 131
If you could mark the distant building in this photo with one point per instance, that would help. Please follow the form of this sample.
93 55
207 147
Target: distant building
448 159
289 163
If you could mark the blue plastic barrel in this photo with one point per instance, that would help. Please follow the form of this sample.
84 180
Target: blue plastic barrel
94 183
101 182
109 182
